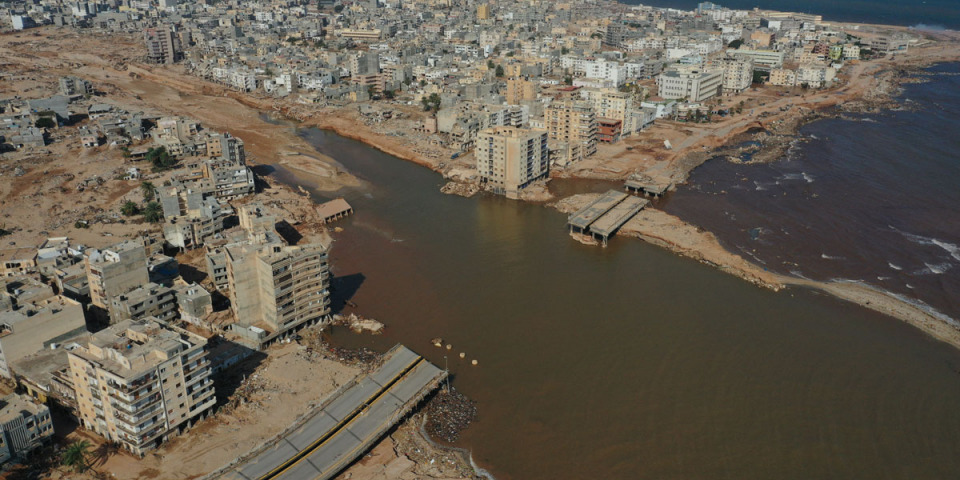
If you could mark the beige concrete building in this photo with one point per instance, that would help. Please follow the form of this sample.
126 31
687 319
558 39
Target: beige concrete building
782 77
116 270
138 383
24 426
275 289
737 73
573 127
509 158
483 11
520 90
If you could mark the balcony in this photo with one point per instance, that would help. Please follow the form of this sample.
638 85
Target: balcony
203 362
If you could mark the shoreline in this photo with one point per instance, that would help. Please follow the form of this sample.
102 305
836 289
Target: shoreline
683 238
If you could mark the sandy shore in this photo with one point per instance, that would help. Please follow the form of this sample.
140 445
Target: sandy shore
672 233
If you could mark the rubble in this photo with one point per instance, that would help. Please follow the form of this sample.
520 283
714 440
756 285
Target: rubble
448 414
358 323
462 189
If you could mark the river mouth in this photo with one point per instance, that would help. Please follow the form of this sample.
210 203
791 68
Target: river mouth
629 361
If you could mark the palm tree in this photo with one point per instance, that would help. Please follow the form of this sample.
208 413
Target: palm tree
148 190
76 455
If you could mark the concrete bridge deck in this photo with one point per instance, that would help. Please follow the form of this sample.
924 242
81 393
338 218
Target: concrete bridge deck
606 225
348 424
584 217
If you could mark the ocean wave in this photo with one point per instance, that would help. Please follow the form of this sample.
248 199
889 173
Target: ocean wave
828 257
937 269
895 267
952 249
807 177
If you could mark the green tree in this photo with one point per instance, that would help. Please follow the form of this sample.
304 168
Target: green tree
148 191
568 80
760 76
161 159
499 70
432 102
76 456
129 208
45 122
491 65
153 212
735 44
564 50
338 8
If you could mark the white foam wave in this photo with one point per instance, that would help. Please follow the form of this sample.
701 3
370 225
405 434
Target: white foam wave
952 249
895 267
828 257
934 269
807 177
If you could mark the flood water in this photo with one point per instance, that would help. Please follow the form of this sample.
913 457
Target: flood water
869 198
629 361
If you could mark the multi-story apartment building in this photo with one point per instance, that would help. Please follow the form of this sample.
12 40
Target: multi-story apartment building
150 300
483 11
690 82
278 288
138 382
782 77
191 216
520 90
737 73
24 426
116 270
226 147
162 45
509 159
574 126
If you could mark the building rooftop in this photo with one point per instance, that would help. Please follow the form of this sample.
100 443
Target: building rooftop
14 405
130 348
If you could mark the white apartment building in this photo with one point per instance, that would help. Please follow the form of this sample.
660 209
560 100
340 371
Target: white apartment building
691 83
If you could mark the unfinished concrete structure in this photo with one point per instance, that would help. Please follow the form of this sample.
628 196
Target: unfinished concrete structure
162 45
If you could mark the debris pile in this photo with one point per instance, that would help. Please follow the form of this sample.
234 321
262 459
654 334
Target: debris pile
448 414
316 344
462 189
358 323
